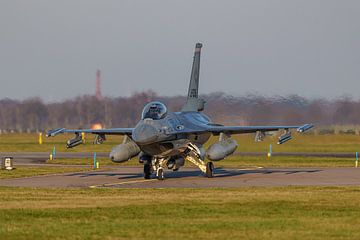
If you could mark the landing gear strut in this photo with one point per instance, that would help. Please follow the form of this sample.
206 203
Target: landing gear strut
147 170
209 170
193 156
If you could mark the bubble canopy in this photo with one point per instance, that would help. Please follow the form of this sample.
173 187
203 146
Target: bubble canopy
154 110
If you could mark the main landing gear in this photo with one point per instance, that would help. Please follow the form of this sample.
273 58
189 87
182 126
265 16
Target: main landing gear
147 171
157 165
209 170
193 156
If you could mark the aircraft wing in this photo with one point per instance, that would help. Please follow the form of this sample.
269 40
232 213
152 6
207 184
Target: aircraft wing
109 131
215 129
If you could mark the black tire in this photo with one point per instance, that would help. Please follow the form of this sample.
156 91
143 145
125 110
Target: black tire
209 169
147 171
160 174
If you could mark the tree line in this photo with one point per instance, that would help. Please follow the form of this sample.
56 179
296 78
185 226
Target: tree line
34 114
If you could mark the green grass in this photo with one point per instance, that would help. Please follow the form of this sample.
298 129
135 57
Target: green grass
36 171
244 213
300 143
29 143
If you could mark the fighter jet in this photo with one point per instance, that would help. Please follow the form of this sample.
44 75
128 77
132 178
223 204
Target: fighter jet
165 140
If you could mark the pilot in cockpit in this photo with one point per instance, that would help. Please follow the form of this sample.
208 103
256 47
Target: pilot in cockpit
154 110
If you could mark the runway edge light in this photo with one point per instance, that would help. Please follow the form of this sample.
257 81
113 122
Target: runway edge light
270 151
95 161
54 153
83 137
356 159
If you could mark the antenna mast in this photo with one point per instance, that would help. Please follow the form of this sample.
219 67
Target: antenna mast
98 85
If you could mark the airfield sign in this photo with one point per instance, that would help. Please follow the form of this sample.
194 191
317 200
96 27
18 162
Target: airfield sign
7 163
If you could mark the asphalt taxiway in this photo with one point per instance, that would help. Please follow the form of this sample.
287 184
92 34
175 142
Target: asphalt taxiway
131 177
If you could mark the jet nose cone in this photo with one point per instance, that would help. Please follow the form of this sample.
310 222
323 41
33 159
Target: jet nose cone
144 134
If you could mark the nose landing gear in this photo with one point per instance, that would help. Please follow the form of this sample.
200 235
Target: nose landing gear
156 165
160 174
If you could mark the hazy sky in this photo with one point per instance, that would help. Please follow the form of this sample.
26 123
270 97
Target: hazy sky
52 49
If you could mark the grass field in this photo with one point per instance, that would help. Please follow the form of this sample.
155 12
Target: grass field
243 213
36 171
246 213
300 143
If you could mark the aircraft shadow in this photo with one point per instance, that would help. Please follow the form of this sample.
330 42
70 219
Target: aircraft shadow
124 175
218 173
221 172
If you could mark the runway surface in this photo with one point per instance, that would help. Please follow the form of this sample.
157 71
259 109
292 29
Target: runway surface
131 177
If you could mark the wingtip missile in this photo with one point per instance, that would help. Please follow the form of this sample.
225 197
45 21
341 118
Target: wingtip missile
305 128
54 132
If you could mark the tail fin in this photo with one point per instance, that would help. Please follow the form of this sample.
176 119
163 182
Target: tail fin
193 103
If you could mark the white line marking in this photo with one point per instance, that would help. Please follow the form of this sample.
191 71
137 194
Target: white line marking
122 183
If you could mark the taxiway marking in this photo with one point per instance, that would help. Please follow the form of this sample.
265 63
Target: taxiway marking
122 183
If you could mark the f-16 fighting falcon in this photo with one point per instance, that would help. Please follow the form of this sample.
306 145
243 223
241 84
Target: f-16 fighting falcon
165 140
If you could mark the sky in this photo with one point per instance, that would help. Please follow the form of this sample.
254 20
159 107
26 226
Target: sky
52 49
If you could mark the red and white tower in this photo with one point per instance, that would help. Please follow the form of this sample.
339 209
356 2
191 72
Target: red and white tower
98 85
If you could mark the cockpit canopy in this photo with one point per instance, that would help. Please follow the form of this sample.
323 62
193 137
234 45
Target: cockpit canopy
154 110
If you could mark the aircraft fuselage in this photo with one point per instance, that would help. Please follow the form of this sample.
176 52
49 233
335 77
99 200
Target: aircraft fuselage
160 138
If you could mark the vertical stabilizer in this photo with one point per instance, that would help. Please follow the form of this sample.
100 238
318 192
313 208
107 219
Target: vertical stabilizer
193 103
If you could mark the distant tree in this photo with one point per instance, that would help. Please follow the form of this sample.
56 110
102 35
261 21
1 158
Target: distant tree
83 111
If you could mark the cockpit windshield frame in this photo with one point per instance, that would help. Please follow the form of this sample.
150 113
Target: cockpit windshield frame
154 110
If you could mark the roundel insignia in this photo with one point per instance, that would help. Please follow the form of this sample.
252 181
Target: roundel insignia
179 127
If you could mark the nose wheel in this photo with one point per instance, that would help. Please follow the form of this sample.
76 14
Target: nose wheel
160 174
209 170
155 165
